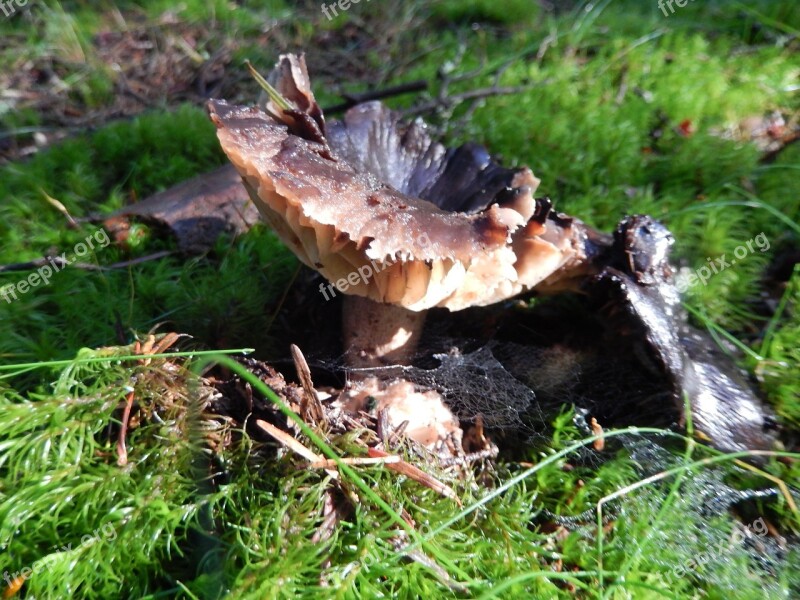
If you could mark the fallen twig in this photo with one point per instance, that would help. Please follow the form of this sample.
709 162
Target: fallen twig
470 457
396 90
293 445
61 263
456 99
355 460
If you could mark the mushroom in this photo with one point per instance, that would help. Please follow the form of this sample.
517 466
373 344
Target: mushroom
393 220
399 224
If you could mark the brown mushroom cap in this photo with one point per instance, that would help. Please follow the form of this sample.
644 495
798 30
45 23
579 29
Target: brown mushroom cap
412 223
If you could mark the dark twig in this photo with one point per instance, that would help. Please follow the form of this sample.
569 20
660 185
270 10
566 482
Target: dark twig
443 100
60 263
455 99
397 90
136 261
35 264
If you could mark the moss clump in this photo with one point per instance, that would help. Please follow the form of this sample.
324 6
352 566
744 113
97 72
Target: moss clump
622 116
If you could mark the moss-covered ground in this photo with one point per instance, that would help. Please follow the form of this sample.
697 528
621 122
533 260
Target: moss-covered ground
625 111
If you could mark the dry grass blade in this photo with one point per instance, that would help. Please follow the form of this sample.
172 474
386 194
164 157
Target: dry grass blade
418 475
311 406
273 94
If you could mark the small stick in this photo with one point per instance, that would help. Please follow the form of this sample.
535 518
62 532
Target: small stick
293 445
355 460
397 90
471 457
60 263
456 99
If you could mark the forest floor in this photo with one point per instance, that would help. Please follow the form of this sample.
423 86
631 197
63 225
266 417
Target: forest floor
688 114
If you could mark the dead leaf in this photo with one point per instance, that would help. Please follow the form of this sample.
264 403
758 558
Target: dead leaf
196 211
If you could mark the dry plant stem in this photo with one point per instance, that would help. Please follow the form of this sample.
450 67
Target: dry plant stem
122 451
378 334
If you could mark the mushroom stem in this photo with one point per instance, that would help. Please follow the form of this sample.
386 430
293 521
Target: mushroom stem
378 334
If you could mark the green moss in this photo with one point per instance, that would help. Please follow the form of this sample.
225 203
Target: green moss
204 296
610 76
515 12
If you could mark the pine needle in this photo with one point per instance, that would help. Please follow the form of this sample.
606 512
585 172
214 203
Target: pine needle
273 94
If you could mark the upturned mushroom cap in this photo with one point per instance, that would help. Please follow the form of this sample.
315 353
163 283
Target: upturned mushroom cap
383 212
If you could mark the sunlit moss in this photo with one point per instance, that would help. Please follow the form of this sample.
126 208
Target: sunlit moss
600 125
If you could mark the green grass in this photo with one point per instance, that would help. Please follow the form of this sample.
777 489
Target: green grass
191 517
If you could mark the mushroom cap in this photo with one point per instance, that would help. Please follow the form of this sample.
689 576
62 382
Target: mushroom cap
382 211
